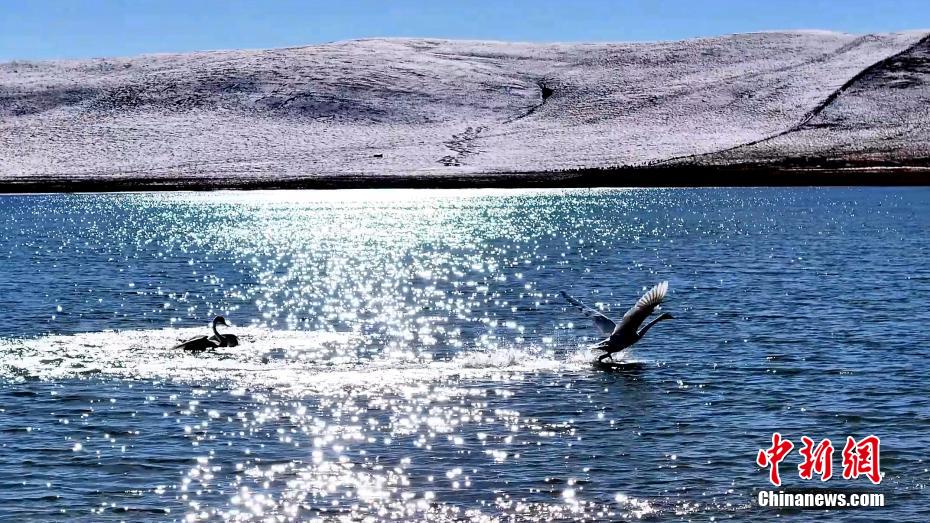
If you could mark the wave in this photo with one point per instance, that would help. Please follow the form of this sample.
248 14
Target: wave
280 358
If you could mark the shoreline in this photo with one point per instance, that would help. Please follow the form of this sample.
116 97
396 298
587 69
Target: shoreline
647 177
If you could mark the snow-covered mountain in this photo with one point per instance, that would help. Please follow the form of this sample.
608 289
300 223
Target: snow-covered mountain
433 108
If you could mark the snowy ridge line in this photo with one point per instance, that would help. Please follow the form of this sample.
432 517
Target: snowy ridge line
819 108
860 75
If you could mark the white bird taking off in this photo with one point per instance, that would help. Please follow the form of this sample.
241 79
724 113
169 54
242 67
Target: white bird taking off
626 332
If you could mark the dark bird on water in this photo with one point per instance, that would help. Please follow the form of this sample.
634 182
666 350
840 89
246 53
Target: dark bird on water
217 340
626 332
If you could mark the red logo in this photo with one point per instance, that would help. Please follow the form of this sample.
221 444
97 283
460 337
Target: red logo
862 458
819 460
859 458
772 456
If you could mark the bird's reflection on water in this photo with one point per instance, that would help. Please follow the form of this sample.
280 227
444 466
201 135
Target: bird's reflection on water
632 369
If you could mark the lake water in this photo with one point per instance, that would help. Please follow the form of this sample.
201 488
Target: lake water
406 354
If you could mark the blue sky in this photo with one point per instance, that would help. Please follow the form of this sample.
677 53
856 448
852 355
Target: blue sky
36 29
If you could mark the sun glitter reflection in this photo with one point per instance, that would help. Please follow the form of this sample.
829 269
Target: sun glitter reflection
400 355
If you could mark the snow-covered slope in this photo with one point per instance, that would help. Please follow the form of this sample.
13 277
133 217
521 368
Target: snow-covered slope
880 117
428 107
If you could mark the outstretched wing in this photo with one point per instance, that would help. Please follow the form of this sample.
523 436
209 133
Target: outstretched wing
604 324
643 308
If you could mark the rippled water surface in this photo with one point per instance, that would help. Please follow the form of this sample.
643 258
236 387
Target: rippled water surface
407 355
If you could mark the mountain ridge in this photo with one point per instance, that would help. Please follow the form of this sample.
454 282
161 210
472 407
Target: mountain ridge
448 109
